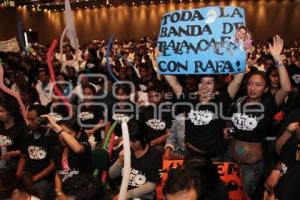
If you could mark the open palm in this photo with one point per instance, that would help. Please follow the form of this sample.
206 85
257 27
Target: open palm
276 47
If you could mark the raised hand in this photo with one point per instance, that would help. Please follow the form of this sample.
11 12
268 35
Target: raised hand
276 48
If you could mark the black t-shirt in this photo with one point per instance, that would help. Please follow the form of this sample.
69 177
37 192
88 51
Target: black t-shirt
116 113
291 148
294 73
145 168
39 149
108 98
252 121
152 124
58 111
92 67
143 85
89 117
12 138
77 163
203 124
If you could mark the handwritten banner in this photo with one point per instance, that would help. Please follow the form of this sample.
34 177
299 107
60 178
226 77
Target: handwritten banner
207 40
10 45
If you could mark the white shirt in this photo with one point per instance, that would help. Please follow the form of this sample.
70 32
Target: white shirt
45 94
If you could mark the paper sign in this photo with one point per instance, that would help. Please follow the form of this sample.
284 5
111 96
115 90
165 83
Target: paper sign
9 45
203 41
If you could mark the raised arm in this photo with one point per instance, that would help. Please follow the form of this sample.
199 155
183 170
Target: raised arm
71 141
174 84
292 128
172 80
285 84
235 84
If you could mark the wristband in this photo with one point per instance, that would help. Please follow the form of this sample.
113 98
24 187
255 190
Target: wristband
58 193
282 170
279 65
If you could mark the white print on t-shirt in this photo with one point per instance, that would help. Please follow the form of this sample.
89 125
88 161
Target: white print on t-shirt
156 124
86 116
68 174
136 178
5 141
200 117
36 153
244 122
296 78
120 117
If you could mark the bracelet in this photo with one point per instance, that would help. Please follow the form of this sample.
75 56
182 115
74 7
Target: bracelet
279 65
283 169
59 193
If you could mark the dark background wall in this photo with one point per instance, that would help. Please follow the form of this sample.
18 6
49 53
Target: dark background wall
264 19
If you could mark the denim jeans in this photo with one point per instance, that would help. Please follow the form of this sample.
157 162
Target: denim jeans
250 176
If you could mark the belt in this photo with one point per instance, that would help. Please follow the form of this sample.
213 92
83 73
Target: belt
246 163
195 149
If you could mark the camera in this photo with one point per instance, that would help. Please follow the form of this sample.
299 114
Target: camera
43 121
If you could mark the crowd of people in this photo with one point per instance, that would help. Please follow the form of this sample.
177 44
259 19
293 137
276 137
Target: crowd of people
59 150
